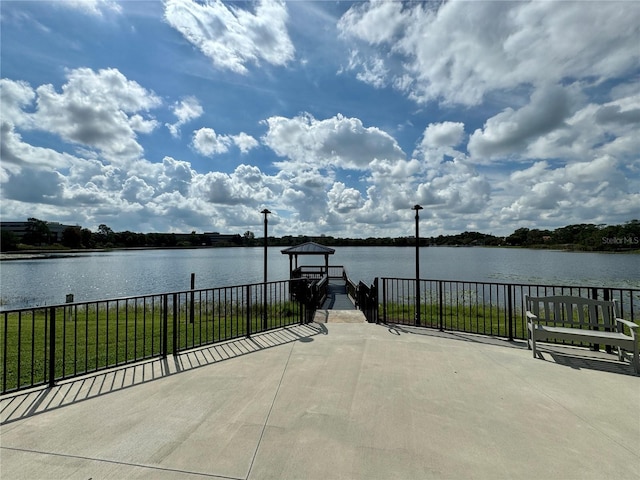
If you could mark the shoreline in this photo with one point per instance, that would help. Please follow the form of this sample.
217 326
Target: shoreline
43 254
72 252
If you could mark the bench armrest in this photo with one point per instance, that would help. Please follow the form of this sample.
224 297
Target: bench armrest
632 325
531 317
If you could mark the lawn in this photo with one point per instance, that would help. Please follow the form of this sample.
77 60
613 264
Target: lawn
486 319
95 336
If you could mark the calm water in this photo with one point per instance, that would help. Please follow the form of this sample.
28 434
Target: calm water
103 275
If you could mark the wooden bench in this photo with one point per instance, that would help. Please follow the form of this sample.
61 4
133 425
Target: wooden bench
582 320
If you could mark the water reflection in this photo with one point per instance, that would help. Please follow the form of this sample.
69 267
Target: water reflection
102 275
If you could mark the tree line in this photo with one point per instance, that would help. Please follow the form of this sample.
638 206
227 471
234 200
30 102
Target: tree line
38 235
589 237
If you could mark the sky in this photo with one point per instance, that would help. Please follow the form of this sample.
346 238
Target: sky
338 117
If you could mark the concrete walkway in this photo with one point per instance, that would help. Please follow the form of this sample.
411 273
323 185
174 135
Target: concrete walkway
336 401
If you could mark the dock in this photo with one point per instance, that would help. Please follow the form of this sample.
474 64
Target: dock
338 307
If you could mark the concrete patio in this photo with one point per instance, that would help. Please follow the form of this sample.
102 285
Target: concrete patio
336 401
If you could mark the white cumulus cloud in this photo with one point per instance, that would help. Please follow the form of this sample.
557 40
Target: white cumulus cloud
208 143
101 110
338 141
233 37
185 110
459 52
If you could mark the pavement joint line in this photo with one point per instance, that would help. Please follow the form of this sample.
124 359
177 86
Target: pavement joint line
116 462
266 420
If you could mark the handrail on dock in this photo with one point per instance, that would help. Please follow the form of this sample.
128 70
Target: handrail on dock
319 271
320 277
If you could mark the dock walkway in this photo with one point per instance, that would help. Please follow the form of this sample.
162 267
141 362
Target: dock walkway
337 297
338 306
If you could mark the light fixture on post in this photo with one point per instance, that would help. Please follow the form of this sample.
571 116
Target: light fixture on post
417 208
265 212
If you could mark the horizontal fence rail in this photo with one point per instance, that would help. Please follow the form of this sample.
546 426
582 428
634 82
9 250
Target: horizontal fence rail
352 288
486 308
318 271
367 300
43 345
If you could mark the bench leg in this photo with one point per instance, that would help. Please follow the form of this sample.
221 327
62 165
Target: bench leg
533 343
531 338
635 360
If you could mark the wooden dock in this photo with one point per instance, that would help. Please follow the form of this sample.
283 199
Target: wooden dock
337 297
338 306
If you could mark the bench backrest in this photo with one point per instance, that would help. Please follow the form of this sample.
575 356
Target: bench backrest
577 312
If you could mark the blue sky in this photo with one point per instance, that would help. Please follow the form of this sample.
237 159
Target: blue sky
338 117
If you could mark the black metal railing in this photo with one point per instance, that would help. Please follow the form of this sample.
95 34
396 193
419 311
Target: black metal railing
43 345
319 289
318 271
486 308
336 271
352 288
367 300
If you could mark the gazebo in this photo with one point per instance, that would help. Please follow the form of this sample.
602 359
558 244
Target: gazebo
308 248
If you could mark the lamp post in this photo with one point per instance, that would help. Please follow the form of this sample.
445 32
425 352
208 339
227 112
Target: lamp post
265 212
417 208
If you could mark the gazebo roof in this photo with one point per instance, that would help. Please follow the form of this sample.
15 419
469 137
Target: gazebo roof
309 248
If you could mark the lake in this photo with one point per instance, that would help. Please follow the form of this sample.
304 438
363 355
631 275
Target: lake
103 275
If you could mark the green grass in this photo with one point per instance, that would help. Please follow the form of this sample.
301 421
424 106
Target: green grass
484 319
97 336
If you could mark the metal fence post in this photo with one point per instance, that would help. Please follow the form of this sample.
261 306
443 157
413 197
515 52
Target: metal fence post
510 310
175 324
52 347
248 296
165 324
192 298
302 308
607 296
374 302
440 305
384 300
594 296
265 306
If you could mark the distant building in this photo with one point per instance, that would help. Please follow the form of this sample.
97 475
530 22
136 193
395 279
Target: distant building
19 229
56 229
215 237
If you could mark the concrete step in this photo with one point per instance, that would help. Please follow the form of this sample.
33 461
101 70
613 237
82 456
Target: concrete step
339 316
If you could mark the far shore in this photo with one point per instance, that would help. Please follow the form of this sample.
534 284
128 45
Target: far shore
44 253
62 252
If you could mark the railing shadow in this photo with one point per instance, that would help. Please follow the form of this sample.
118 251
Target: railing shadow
397 329
569 356
33 402
329 302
